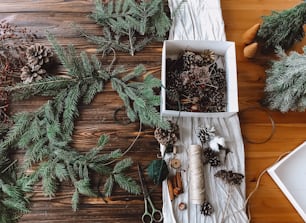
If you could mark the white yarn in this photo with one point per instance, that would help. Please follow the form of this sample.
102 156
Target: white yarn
196 171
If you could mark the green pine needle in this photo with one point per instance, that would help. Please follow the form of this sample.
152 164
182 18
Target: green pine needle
75 200
286 83
282 29
127 183
122 165
129 25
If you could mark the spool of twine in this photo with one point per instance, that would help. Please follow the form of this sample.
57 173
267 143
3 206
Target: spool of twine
196 174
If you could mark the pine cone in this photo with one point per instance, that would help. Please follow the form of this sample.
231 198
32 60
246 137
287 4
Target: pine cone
198 59
167 137
172 95
214 161
39 55
208 56
206 209
188 59
212 157
206 133
30 74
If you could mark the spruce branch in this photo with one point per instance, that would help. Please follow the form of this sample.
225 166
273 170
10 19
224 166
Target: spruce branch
68 164
282 28
129 25
14 202
139 98
286 82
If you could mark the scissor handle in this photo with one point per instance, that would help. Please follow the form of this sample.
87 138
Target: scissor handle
146 217
156 215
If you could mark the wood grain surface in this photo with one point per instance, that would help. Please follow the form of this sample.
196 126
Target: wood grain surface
268 205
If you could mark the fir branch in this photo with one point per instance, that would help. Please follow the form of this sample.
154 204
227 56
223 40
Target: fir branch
13 203
138 22
76 166
286 83
122 165
139 98
75 200
108 186
282 28
127 183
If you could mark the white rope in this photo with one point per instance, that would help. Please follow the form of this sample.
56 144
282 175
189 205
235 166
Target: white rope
196 171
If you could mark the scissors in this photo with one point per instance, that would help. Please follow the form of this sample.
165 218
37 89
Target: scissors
156 215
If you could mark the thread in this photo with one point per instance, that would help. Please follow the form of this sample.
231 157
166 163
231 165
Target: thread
247 201
196 173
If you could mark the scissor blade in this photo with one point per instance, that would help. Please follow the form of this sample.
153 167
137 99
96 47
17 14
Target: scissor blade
142 181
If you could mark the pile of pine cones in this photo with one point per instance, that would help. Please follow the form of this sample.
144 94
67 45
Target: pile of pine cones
195 83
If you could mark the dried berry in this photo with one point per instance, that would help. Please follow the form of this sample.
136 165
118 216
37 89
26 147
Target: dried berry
13 44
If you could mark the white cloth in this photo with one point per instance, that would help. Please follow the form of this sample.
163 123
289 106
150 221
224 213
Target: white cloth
196 20
202 20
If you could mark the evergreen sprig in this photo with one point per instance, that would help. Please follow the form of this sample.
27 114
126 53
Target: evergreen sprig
139 97
67 164
282 28
129 25
286 82
14 202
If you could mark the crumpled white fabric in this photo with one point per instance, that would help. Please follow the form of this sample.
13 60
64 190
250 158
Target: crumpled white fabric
202 20
196 20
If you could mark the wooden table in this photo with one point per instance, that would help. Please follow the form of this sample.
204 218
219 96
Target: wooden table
268 205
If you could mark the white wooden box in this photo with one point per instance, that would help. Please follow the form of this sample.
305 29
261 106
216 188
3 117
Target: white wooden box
226 49
290 175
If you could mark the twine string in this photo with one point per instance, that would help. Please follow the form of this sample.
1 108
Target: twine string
246 138
196 172
246 204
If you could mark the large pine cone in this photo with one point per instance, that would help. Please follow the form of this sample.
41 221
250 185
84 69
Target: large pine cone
39 55
31 73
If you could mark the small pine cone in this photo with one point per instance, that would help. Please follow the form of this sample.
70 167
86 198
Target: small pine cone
172 95
206 133
209 153
198 59
39 54
203 136
167 137
206 209
30 74
208 56
214 161
188 59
